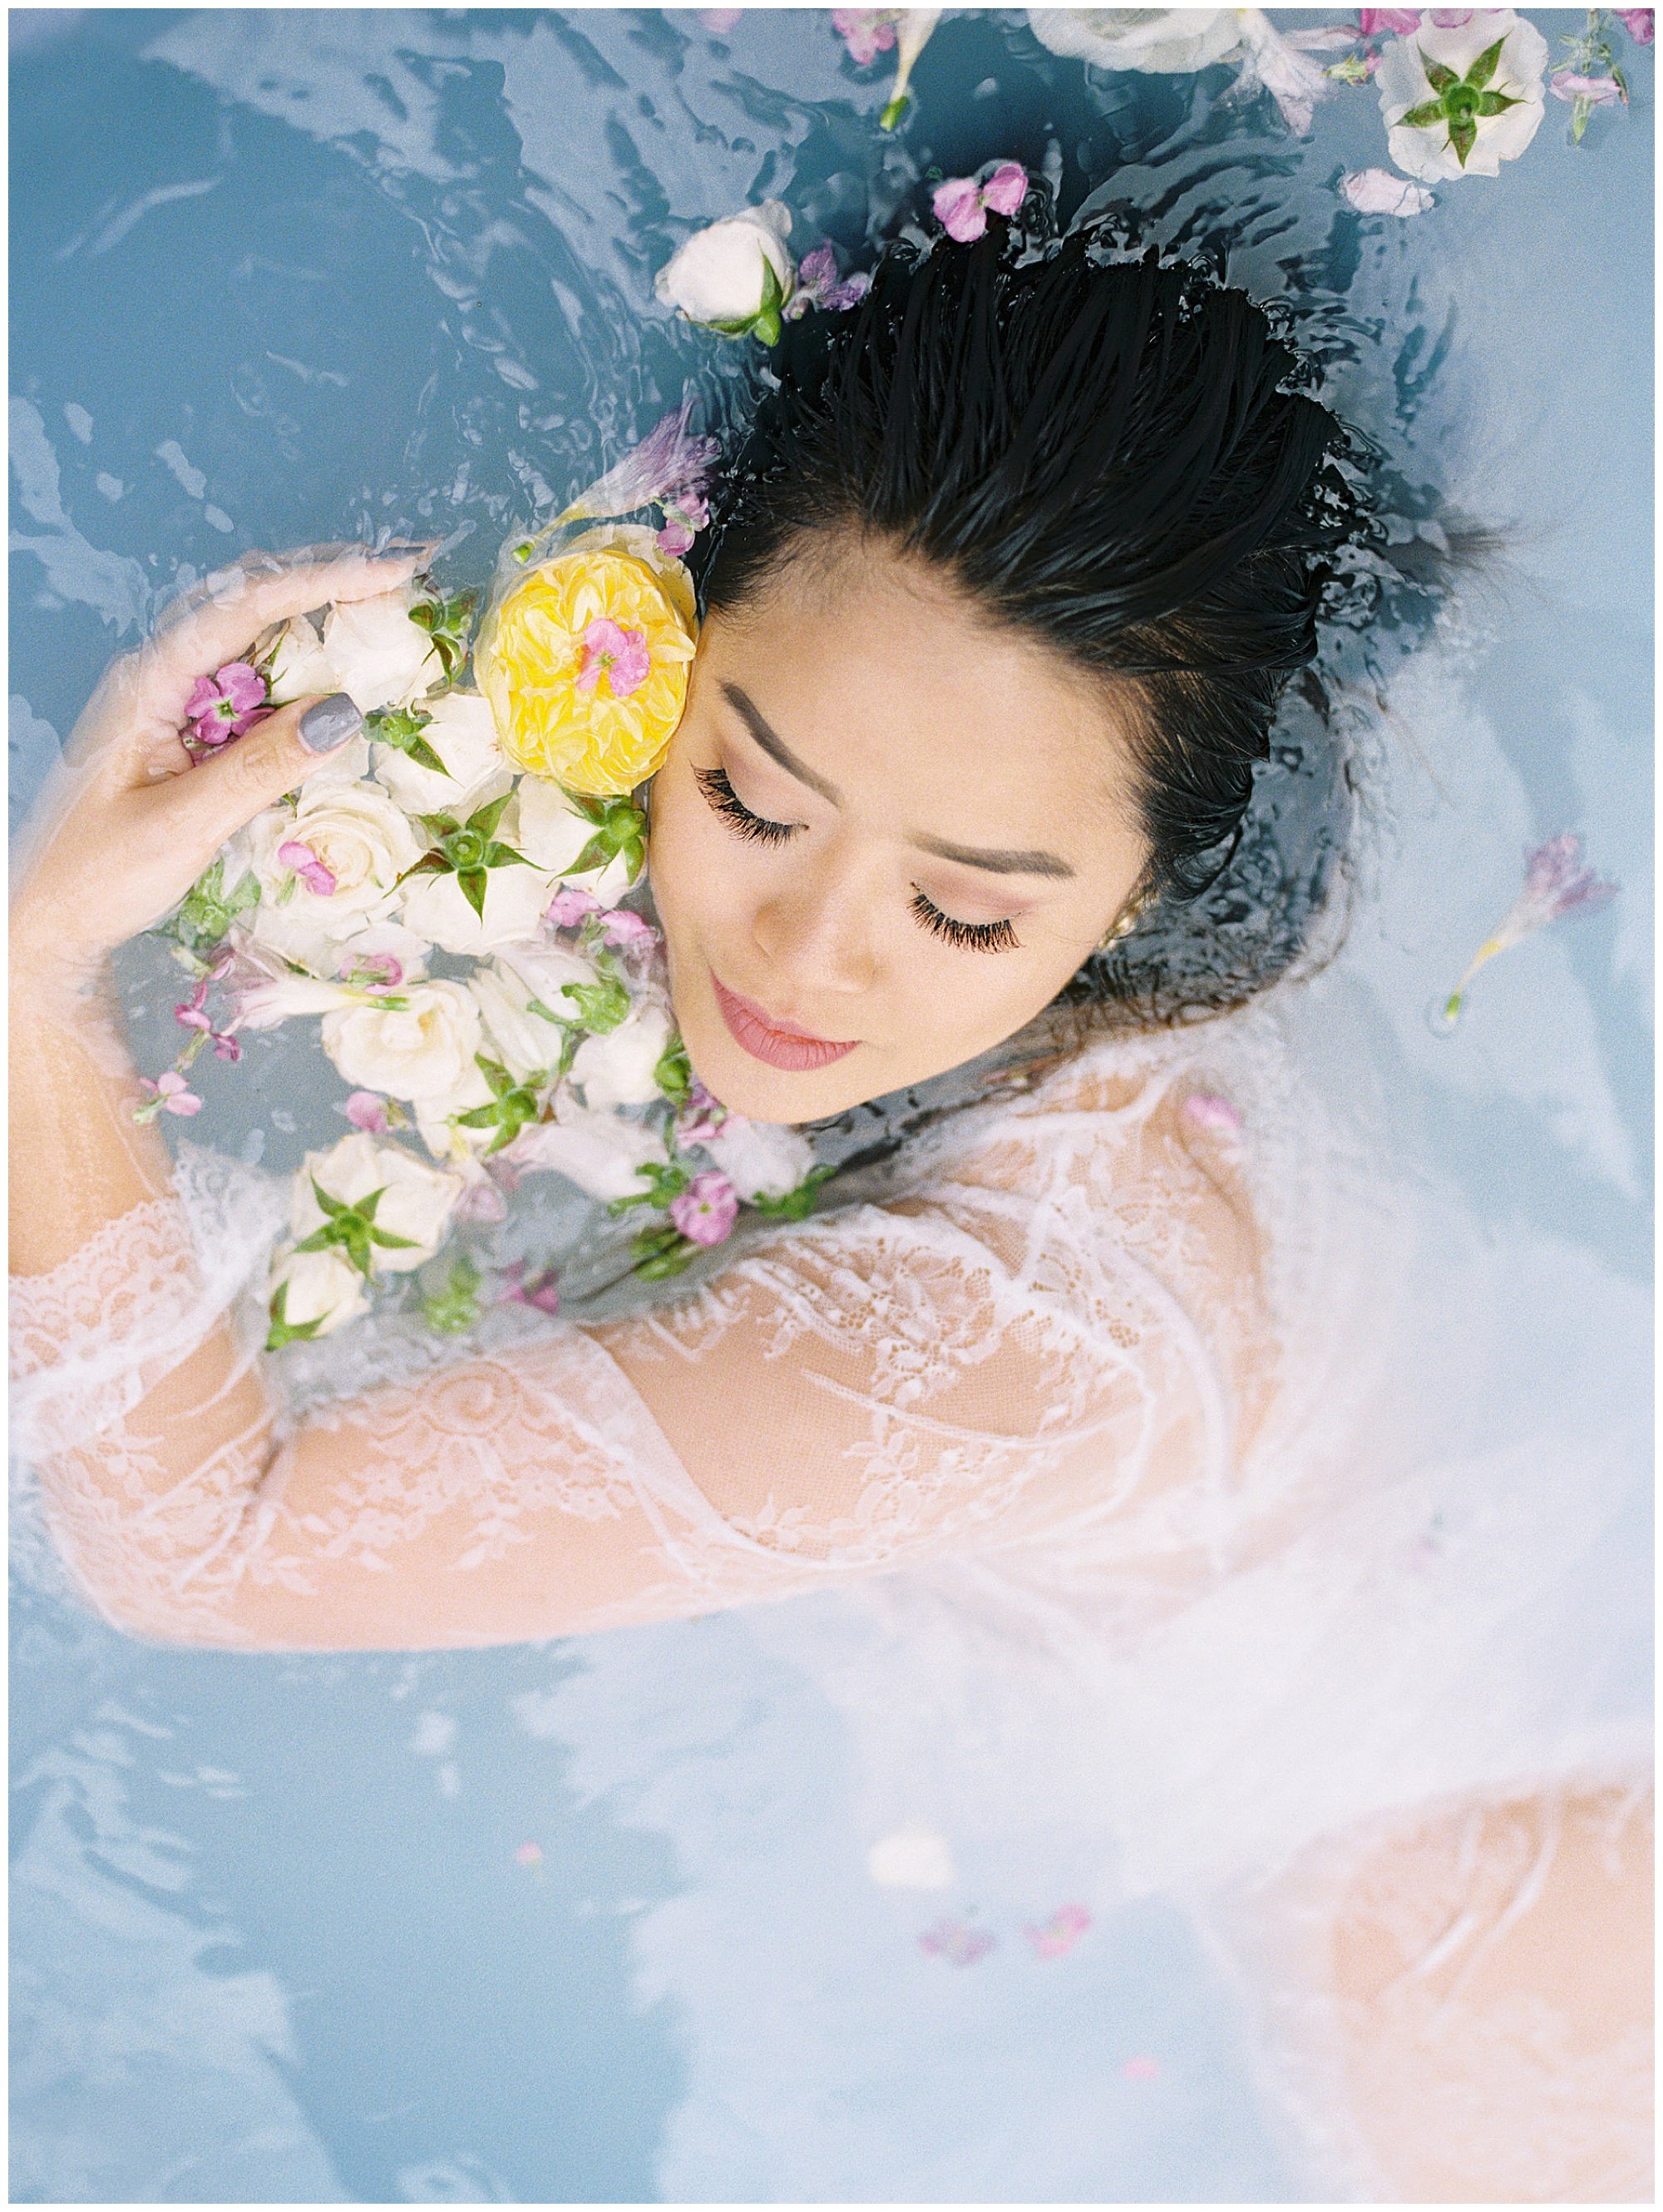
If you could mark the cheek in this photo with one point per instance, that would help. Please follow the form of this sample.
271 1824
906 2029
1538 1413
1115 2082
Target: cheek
692 859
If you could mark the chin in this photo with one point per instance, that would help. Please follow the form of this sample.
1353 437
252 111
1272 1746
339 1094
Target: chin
748 1085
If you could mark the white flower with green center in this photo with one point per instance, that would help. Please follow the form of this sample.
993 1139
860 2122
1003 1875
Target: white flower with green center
1459 103
373 1204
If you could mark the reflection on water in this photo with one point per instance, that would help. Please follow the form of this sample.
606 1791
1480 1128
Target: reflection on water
291 276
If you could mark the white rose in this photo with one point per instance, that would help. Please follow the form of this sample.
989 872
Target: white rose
526 1042
435 1120
298 663
464 736
269 929
761 1159
617 1069
423 1049
317 1286
599 1152
1427 151
720 275
357 834
516 899
1166 41
541 822
377 655
415 1199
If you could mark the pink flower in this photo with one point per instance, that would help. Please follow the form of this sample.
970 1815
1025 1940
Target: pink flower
370 971
570 908
222 706
1557 884
1598 91
627 931
481 1201
957 1940
530 1855
1637 22
1141 2069
675 537
307 866
866 32
701 1117
1057 1937
539 1291
707 1209
1400 19
1213 1113
719 22
168 1094
366 1112
620 655
668 467
962 205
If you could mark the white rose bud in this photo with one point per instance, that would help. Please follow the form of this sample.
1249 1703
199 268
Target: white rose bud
317 1286
761 1159
522 978
721 274
332 864
599 1152
617 1069
416 1200
516 899
464 736
298 663
378 656
423 1050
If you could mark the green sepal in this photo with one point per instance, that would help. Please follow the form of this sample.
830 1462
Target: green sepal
1485 68
796 1205
620 827
447 621
282 1331
352 1228
484 821
1424 116
1462 137
401 727
1496 103
456 1307
601 1007
665 1179
1439 74
894 111
440 826
673 1073
513 1105
473 882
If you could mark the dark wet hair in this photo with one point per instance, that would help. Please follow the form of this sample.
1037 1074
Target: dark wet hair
1113 457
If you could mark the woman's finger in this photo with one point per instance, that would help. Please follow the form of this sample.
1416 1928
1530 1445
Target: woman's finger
204 635
197 812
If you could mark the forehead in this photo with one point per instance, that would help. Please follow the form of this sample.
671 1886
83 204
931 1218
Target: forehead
888 683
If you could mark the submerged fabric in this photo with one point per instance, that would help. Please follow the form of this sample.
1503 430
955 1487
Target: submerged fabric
1137 1451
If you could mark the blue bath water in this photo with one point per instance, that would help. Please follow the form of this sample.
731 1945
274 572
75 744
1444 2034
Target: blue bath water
591 1920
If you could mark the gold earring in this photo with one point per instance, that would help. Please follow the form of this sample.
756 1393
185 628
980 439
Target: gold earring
1131 914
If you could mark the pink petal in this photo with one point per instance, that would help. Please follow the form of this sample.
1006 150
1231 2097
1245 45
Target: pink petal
366 1112
1213 1113
959 210
242 686
307 866
675 539
1638 22
719 22
570 908
1006 188
1400 19
1600 90
205 697
1141 2069
622 927
707 1209
619 655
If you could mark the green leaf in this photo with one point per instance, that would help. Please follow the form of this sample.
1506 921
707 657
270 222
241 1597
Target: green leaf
1440 78
401 727
601 1006
430 864
386 1239
796 1205
1485 68
673 1073
767 327
440 826
662 1252
473 882
1462 137
1424 116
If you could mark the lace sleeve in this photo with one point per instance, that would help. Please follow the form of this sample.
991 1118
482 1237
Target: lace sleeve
858 1393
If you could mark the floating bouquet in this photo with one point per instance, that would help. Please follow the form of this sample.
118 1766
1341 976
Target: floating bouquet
489 829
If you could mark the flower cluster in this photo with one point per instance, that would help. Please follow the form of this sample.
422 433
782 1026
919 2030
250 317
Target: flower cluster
737 277
492 828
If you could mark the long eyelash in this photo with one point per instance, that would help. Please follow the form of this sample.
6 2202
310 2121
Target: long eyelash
968 936
713 782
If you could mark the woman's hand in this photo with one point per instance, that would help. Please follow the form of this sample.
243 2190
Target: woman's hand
128 822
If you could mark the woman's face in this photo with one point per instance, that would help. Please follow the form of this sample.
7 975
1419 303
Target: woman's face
884 837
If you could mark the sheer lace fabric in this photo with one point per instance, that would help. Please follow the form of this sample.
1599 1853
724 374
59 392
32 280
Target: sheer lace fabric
1091 1412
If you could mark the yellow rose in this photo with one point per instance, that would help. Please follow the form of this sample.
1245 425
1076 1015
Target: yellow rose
586 662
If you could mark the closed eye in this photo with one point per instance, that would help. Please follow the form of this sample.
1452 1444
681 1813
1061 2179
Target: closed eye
726 802
968 936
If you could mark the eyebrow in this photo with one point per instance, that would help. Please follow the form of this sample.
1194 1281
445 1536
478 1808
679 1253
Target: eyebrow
998 863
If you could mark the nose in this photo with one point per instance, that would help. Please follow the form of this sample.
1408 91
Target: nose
815 932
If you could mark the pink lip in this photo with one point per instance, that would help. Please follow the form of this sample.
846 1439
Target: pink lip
765 1039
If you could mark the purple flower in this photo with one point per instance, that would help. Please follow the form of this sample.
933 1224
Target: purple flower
569 908
222 706
1056 1938
1598 91
707 1209
667 468
955 1940
962 205
168 1094
1556 885
701 1117
819 286
540 1291
366 1112
618 655
1637 22
1400 19
866 32
294 854
629 931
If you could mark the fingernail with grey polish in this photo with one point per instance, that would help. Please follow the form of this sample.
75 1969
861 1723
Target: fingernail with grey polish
329 723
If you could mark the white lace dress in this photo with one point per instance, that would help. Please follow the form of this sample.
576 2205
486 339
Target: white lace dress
1137 1445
